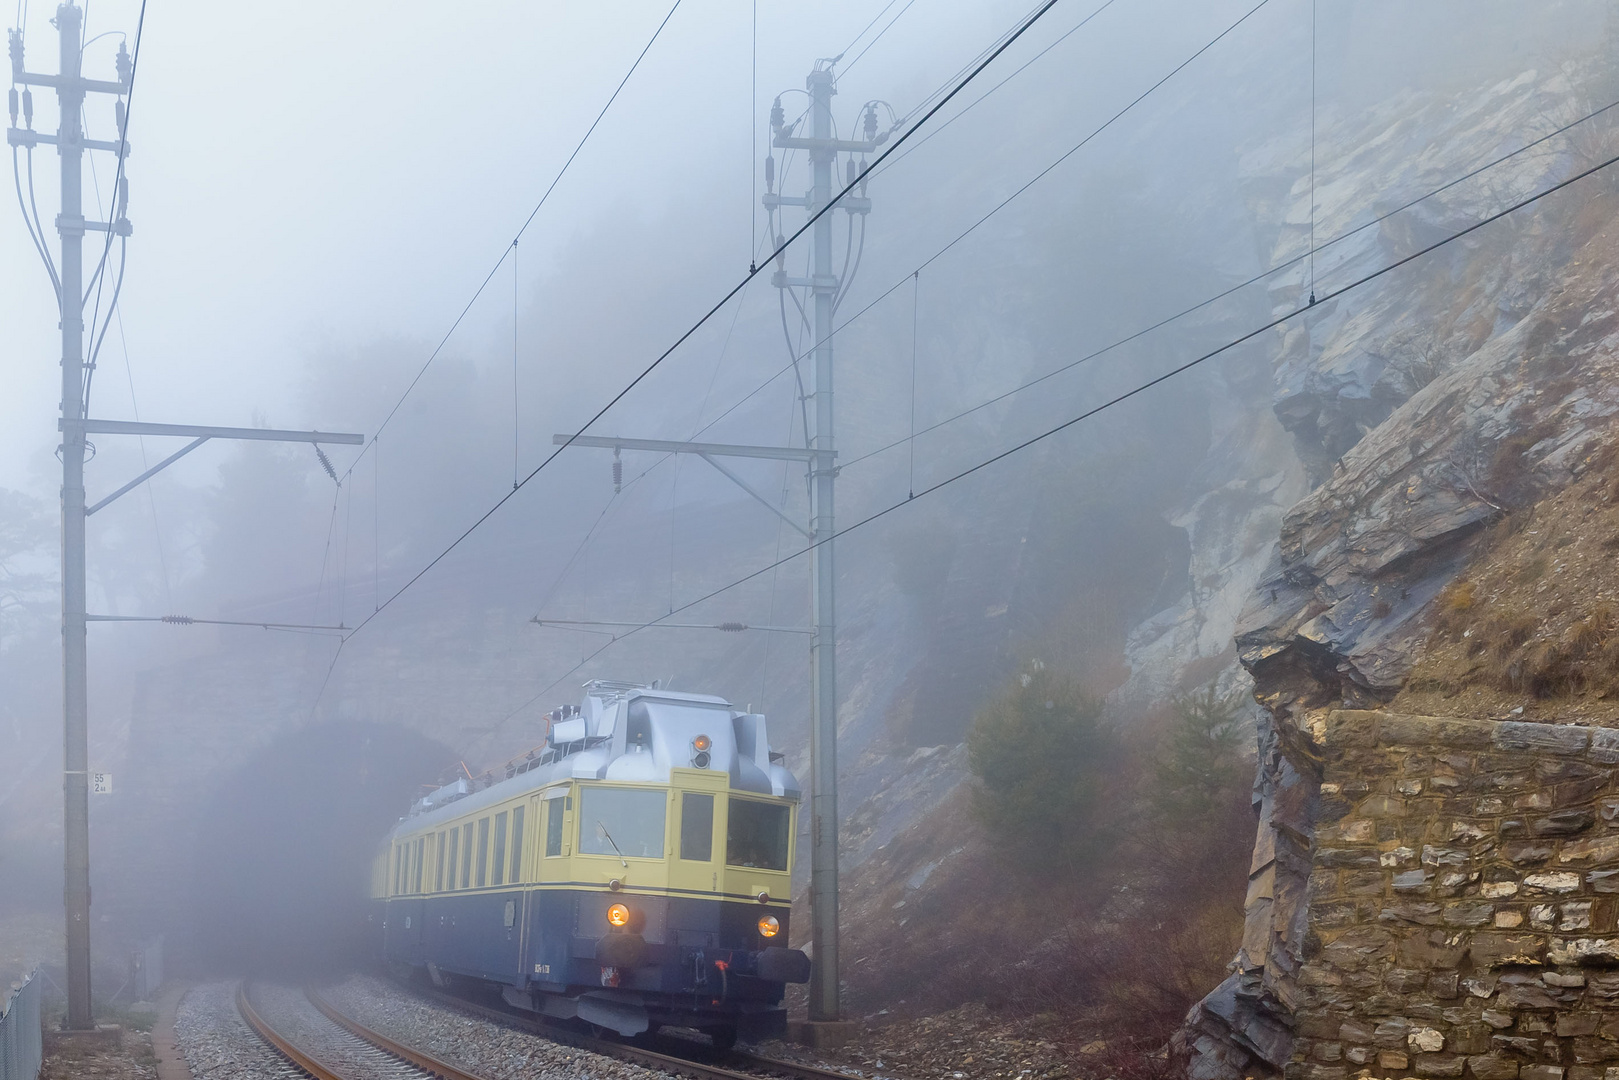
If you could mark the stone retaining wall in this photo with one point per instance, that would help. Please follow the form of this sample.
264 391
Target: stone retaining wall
1462 902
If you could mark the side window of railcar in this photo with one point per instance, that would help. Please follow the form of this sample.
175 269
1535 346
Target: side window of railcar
455 835
757 835
517 844
498 867
696 826
553 825
622 822
416 864
466 855
438 875
483 852
399 866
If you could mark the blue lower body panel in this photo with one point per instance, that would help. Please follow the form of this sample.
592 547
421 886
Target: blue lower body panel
686 961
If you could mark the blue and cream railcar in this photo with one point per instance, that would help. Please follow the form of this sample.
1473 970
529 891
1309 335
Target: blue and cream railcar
636 873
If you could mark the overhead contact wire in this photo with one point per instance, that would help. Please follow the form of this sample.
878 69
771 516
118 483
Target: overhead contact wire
711 312
526 221
1088 413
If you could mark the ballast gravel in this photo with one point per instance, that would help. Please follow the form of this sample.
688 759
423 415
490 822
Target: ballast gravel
288 1010
477 1045
217 1043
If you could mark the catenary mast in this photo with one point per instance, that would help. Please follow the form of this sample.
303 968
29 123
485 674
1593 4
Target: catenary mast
820 457
75 424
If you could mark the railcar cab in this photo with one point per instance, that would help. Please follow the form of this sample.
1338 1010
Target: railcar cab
634 871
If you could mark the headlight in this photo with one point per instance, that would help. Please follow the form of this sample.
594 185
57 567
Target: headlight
769 925
618 915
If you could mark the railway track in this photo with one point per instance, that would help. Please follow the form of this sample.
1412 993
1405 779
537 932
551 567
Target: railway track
692 1060
317 1041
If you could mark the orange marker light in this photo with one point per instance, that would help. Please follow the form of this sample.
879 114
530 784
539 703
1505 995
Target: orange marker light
618 915
769 925
702 742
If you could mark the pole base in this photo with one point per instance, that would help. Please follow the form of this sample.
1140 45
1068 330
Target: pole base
108 1035
823 1034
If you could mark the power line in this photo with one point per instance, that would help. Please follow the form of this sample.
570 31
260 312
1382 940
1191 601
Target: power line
1272 271
845 50
1312 149
793 364
117 185
709 314
850 65
521 230
1085 415
914 147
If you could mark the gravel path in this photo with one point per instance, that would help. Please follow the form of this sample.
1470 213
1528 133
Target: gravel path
216 1042
488 1049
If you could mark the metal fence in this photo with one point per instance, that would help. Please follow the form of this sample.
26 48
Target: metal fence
147 975
21 1043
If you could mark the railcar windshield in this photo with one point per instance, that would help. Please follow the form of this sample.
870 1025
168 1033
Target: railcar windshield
621 821
757 835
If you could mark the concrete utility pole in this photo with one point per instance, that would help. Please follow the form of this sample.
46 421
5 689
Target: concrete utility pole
820 456
71 226
69 140
824 999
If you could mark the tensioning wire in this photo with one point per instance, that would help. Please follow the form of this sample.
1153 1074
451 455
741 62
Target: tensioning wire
1087 414
753 272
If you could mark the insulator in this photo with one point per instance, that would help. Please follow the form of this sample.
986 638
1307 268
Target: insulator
14 45
178 620
871 122
770 159
618 473
126 70
120 114
123 195
12 101
850 173
865 177
28 106
732 627
326 463
777 116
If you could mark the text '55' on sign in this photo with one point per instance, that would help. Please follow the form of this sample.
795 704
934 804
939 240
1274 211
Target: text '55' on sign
101 783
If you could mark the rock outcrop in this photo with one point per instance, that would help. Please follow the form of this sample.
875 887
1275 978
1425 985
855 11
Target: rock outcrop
1453 392
1455 914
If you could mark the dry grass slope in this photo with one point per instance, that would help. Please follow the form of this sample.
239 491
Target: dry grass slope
1533 624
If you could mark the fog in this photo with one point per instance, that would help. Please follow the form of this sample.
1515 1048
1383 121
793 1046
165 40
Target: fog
319 191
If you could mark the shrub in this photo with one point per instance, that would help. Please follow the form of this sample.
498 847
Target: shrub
1457 597
1201 764
1044 766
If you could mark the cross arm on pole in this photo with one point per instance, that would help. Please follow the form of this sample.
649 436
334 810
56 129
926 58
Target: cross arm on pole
199 435
671 446
708 452
149 473
132 427
766 503
724 627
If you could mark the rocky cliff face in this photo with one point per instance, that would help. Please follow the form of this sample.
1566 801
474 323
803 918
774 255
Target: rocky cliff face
1454 391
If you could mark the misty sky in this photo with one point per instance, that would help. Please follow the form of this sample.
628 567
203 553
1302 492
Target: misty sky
312 184
318 189
310 174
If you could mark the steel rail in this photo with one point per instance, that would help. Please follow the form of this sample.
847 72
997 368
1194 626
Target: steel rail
280 1045
399 1050
651 1059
